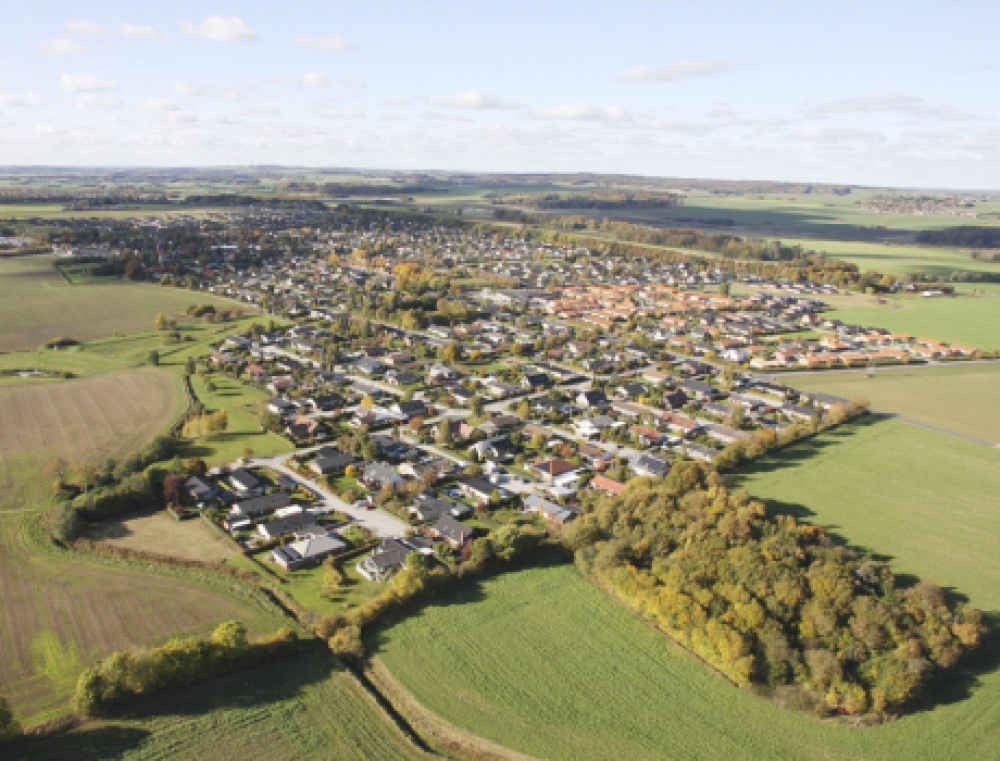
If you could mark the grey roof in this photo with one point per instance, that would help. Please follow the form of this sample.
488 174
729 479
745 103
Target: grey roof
453 529
291 524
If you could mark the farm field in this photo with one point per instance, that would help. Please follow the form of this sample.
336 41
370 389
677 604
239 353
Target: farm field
158 532
292 710
961 398
59 614
544 663
37 304
77 420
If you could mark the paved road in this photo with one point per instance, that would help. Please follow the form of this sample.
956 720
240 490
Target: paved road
377 521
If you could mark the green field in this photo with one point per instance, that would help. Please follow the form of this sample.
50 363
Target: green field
963 398
971 320
37 304
292 710
546 664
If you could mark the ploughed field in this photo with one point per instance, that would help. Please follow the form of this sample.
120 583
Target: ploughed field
76 420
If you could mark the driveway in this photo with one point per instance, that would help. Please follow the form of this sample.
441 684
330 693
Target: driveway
377 521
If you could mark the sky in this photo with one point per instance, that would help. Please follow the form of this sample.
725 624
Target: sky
878 92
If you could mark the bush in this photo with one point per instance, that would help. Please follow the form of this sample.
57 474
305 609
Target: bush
65 524
10 727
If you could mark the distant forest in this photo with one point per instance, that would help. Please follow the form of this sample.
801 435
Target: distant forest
965 236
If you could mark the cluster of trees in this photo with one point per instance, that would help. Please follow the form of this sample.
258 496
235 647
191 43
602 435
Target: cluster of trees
966 236
597 200
122 677
206 423
767 601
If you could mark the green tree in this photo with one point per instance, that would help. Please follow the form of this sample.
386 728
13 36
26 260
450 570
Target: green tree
9 725
231 636
154 358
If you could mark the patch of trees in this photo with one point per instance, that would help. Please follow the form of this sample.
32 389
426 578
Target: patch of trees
965 236
233 199
123 677
9 725
597 200
342 190
770 602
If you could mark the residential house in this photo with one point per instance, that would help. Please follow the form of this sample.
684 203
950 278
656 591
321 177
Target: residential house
607 485
479 489
412 409
595 398
649 465
308 551
258 507
330 462
453 531
378 475
390 557
245 482
551 511
434 508
550 470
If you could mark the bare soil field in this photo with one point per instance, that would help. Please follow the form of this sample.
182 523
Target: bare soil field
76 420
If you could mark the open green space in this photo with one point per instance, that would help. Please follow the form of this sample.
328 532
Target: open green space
38 304
299 709
961 397
969 320
543 662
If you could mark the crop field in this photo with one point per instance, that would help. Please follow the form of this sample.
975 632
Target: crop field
57 615
76 420
37 304
158 532
963 398
544 663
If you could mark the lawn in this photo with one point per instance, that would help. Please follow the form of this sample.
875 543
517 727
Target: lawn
244 430
961 397
77 420
544 663
37 304
291 710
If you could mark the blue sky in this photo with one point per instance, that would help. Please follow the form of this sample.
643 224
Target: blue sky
877 92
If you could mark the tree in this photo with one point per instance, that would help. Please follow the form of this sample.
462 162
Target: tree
197 467
161 321
477 405
86 472
65 523
351 471
190 367
332 581
9 725
444 437
154 358
346 642
451 353
173 489
231 636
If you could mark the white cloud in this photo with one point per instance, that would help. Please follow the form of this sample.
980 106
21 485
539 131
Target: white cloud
85 83
887 103
224 29
97 103
143 32
676 72
158 104
85 27
827 134
180 117
184 89
261 108
309 79
62 47
472 100
330 43
30 100
214 117
354 84
586 112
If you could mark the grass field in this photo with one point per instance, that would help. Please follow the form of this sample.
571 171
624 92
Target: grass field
292 710
77 420
158 532
973 320
544 663
962 398
37 304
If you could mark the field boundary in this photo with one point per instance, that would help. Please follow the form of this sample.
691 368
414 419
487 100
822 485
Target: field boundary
440 735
